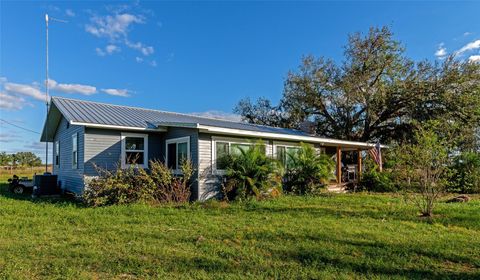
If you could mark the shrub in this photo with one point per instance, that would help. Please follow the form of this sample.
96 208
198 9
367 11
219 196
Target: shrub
124 186
308 171
422 169
466 173
373 180
170 188
121 186
251 173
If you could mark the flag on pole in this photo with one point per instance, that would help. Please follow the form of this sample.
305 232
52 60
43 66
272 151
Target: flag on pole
376 154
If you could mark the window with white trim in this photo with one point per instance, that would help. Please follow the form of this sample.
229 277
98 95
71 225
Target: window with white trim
75 151
223 147
57 153
134 150
284 155
177 151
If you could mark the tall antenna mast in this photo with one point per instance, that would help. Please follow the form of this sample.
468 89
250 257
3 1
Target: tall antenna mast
46 89
46 99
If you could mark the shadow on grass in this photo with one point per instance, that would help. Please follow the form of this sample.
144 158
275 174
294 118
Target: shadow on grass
60 201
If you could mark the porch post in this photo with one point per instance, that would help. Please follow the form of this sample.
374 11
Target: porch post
359 164
339 165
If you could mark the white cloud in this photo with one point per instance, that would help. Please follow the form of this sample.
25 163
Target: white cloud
214 114
3 80
26 90
69 13
441 51
474 58
153 63
9 137
138 59
145 50
109 49
116 28
469 47
112 26
100 52
467 33
116 92
72 88
11 102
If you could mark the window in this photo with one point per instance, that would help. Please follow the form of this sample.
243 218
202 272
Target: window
223 147
134 150
74 150
57 153
284 154
178 150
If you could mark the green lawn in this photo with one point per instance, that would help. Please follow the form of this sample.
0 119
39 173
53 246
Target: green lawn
332 236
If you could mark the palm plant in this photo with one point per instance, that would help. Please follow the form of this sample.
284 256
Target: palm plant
251 173
308 171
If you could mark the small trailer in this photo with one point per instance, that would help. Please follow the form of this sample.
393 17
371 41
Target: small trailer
20 185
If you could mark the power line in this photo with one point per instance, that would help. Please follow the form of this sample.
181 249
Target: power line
17 126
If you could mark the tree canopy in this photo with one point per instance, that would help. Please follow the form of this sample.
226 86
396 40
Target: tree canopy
375 93
21 158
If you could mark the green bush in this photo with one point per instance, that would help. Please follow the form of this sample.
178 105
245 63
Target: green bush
131 185
308 171
466 174
251 173
373 180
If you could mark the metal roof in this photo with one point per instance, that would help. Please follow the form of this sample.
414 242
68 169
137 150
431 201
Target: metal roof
79 111
94 114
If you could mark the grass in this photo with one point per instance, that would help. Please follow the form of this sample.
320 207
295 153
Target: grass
332 236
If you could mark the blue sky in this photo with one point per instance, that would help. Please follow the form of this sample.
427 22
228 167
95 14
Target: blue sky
200 57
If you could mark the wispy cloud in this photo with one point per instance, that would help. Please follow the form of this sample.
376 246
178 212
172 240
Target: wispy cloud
474 58
11 102
69 13
14 96
469 47
23 89
116 28
467 33
116 92
441 51
108 50
214 114
139 46
112 26
72 88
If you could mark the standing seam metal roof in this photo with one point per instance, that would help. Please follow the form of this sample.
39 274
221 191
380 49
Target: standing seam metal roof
115 115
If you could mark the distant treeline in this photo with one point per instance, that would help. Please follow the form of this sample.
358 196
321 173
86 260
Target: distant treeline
24 159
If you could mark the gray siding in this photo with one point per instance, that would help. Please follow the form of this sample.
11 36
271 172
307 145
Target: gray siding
103 149
209 182
177 132
71 178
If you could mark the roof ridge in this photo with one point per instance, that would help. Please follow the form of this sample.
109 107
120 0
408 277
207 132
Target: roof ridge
170 112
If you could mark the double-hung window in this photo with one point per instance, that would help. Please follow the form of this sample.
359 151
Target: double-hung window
75 151
177 151
57 153
134 150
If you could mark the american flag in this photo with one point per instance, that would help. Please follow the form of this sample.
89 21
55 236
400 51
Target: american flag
376 154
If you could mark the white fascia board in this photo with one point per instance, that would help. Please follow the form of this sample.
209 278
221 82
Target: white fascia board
288 137
106 126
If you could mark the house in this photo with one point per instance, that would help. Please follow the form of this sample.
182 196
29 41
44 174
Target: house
87 135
